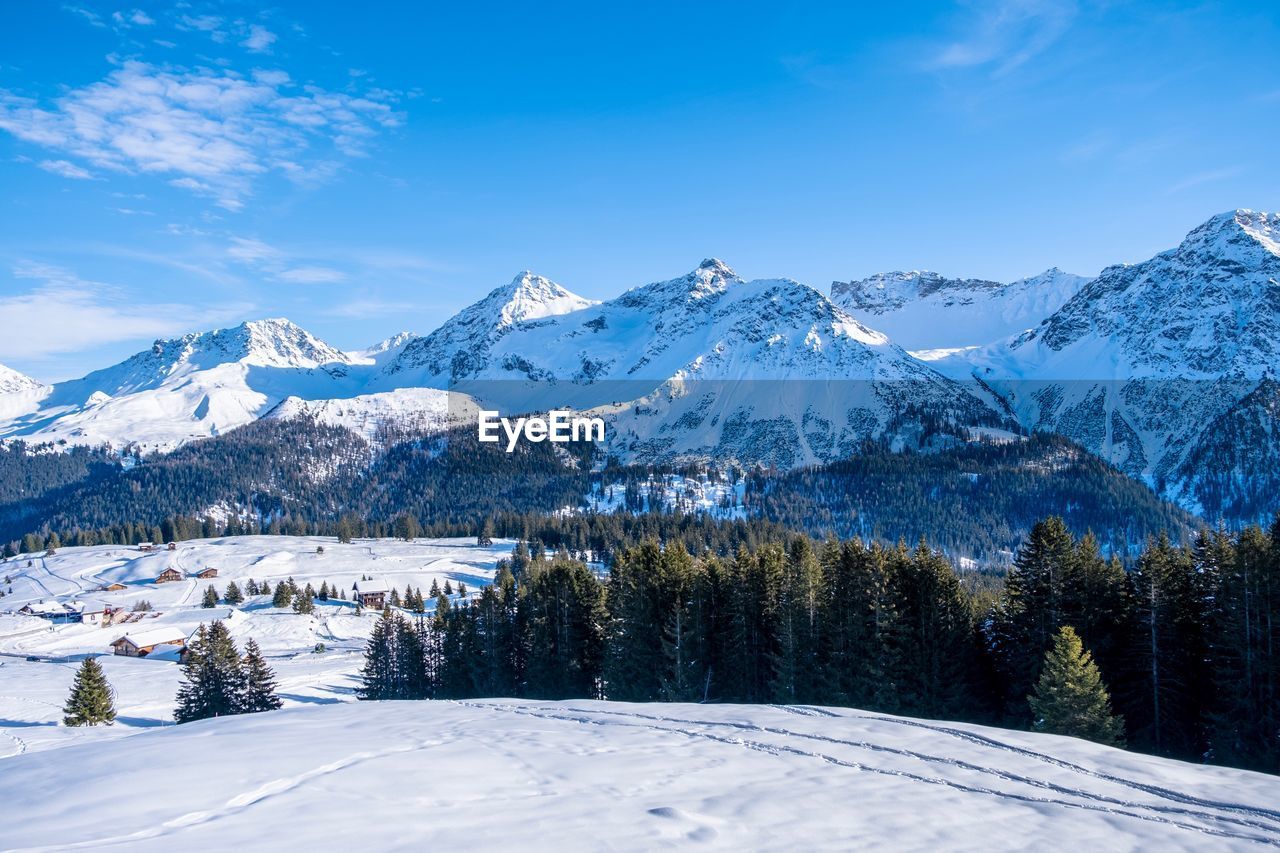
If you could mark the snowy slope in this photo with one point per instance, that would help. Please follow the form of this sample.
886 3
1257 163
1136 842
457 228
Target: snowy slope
11 381
924 310
1147 362
583 775
420 410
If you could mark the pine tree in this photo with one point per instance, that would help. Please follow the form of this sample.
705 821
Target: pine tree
931 638
448 588
304 602
260 682
92 700
282 596
213 676
407 527
251 588
234 596
1070 698
323 594
210 598
1033 607
378 676
485 537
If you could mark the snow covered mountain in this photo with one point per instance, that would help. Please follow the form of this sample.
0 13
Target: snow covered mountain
189 387
924 310
1160 365
706 364
1164 368
460 348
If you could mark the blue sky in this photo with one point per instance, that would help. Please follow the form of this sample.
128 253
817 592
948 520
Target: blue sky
367 168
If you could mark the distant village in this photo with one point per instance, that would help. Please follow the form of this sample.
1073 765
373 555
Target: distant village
166 643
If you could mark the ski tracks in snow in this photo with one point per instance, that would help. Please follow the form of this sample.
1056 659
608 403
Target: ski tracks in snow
1226 820
236 804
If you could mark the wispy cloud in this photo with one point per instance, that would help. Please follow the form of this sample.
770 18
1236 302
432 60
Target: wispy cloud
211 132
66 169
1005 34
1204 178
311 275
63 313
136 18
287 267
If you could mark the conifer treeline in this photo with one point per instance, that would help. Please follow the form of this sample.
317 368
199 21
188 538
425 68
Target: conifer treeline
1189 642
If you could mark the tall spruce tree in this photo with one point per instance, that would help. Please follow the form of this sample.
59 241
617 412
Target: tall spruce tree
213 676
1032 609
932 639
1070 698
210 598
856 613
259 682
92 700
1168 663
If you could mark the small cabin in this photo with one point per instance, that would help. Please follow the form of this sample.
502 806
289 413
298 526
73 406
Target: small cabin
51 610
112 587
49 552
371 593
205 574
172 546
146 546
169 576
143 643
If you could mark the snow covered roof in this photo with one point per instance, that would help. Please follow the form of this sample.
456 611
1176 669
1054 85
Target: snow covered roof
46 607
155 637
168 651
377 585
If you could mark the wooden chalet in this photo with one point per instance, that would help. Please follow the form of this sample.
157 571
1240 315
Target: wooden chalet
112 587
205 574
146 546
371 593
143 643
173 546
169 576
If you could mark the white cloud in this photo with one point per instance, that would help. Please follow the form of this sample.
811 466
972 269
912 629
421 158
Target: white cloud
255 252
65 313
260 39
1007 33
136 18
66 169
311 275
89 15
211 132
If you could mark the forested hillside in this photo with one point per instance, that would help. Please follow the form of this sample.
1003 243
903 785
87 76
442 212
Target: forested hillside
1184 650
976 500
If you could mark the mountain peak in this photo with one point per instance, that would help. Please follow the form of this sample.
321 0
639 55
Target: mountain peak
12 381
271 342
1236 235
530 296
